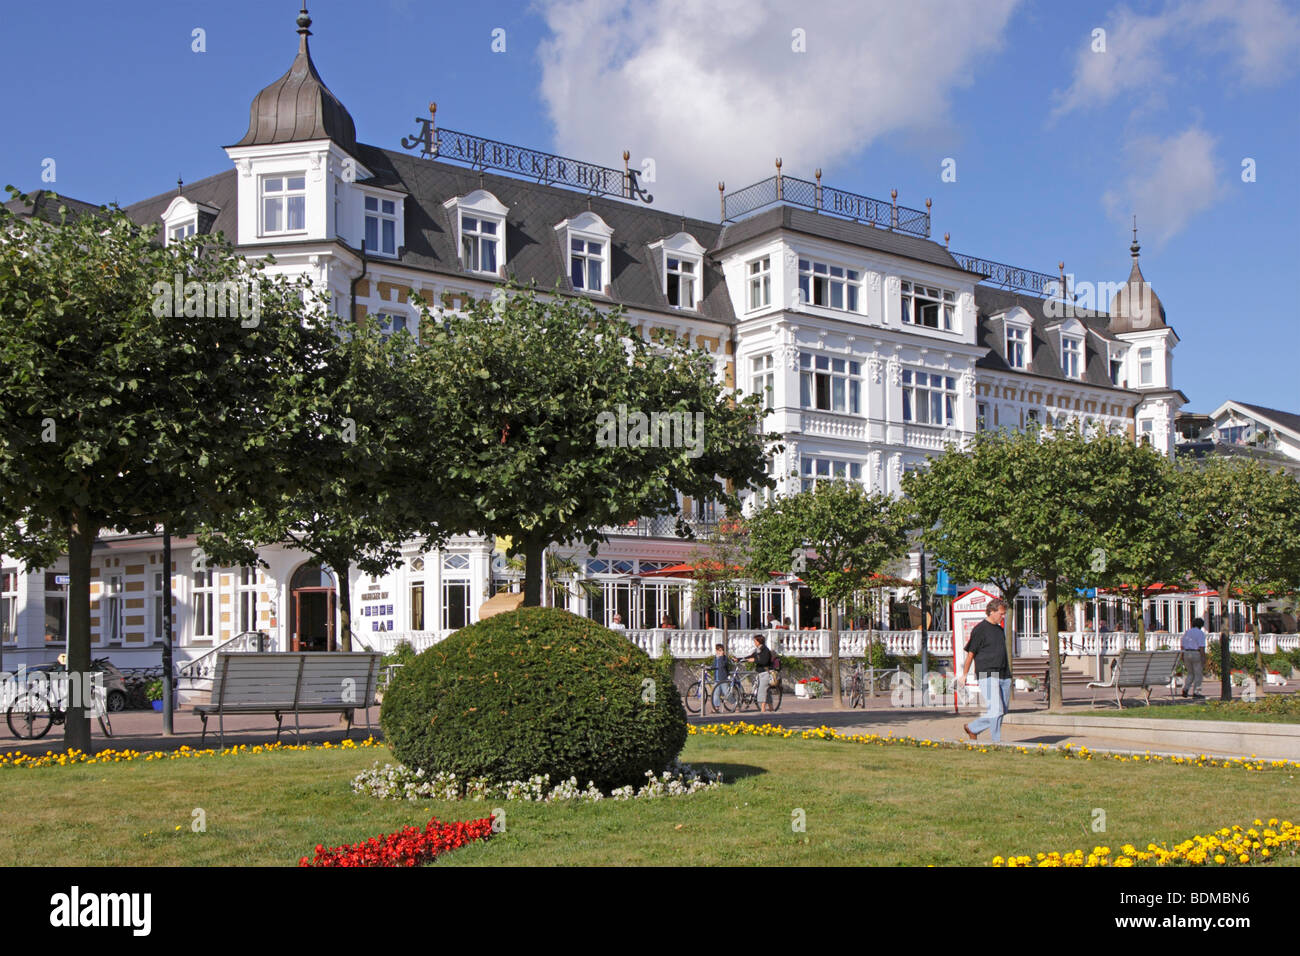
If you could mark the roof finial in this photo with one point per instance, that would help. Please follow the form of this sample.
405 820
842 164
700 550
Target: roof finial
304 21
180 186
1133 249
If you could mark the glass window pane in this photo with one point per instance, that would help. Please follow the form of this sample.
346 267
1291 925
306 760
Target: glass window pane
271 215
837 394
390 207
805 390
489 260
577 245
372 233
390 236
805 360
297 212
274 185
593 275
488 228
297 182
907 405
577 273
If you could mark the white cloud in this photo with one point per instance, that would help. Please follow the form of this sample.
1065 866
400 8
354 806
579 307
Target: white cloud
715 91
1259 38
1173 180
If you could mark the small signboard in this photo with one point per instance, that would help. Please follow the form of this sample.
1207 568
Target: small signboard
63 580
967 611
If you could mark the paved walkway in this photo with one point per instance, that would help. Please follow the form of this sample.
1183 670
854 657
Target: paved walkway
142 730
880 716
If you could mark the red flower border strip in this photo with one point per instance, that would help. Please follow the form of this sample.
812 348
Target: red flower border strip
410 846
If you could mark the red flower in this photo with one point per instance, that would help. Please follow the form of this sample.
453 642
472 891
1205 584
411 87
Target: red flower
410 846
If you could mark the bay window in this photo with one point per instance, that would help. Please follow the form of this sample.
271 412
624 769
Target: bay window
284 203
927 306
833 287
829 384
760 283
381 226
814 469
928 398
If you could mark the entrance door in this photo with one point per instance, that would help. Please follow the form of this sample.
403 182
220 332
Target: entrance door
312 603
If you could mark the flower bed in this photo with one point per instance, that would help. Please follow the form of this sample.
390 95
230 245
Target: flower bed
1225 847
70 758
410 846
398 782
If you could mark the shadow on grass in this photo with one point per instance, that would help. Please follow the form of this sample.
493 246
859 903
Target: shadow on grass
731 772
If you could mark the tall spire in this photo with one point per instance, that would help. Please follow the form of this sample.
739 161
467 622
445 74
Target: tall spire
299 106
1135 248
1136 306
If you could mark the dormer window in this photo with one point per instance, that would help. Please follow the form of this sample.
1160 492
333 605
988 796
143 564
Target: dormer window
184 217
1072 356
182 231
587 241
928 307
681 283
284 203
587 264
479 220
1017 347
381 226
478 244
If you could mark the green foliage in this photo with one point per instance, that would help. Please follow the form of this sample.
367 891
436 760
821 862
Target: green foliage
125 407
536 691
717 585
401 655
154 690
529 385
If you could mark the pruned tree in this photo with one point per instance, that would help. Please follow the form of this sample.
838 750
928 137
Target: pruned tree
1244 522
142 386
835 536
572 422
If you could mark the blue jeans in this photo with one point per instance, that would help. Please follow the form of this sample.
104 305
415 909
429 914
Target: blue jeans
997 695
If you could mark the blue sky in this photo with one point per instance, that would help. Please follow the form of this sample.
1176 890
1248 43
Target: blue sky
1054 143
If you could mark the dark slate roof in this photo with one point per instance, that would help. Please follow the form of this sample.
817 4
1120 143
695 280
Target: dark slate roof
533 250
299 106
1045 344
1200 452
1285 419
44 204
218 191
794 219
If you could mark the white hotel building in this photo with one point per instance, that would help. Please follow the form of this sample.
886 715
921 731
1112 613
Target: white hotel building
875 344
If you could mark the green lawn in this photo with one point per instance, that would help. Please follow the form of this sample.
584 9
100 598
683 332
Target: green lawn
863 804
1273 709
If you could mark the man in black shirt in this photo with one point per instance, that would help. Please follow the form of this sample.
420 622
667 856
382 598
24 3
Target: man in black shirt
762 658
987 649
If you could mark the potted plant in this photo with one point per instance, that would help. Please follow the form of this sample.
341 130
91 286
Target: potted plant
810 687
154 692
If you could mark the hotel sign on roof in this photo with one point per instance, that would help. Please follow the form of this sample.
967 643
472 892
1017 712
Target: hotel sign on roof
546 168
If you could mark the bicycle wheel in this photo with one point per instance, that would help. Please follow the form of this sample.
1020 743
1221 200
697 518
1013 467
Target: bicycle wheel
693 698
729 696
30 716
857 698
774 693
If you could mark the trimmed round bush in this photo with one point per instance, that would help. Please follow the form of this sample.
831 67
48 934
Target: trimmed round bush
535 691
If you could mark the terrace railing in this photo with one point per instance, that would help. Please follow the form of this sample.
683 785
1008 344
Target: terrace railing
827 199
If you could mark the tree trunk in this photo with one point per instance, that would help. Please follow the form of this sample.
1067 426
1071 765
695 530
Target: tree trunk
837 701
1009 594
81 539
1055 698
343 575
1225 652
1259 655
1142 621
534 553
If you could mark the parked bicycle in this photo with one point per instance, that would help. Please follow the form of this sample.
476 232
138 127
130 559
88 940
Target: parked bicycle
748 681
36 709
724 693
868 681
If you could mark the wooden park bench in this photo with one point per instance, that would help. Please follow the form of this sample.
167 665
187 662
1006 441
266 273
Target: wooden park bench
1142 669
296 683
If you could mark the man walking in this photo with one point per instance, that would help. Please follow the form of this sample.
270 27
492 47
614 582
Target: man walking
987 649
1193 645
